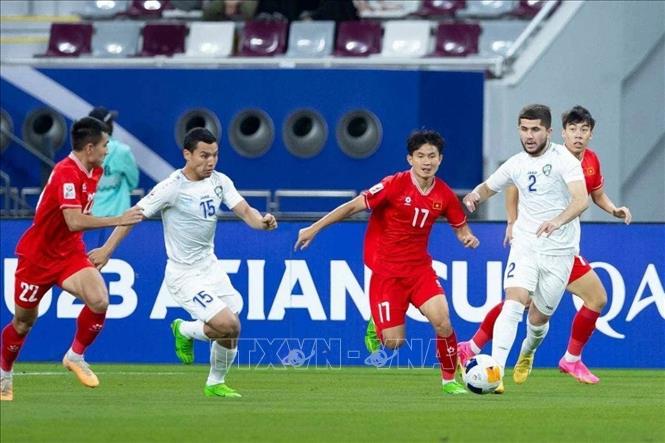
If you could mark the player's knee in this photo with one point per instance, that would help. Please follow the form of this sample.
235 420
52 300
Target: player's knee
99 304
23 325
443 328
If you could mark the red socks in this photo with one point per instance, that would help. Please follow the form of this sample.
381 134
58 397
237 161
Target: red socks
11 345
486 329
88 326
583 325
447 354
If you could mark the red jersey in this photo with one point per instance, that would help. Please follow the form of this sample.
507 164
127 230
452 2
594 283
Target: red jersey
69 186
591 168
401 221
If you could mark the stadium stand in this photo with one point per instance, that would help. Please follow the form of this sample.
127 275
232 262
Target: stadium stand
263 38
116 39
210 39
311 38
406 38
69 39
456 39
358 39
163 39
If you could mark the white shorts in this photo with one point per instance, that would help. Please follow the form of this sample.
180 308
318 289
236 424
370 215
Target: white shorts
202 289
544 276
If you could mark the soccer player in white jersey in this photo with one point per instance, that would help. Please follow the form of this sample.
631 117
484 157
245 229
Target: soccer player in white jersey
546 234
189 200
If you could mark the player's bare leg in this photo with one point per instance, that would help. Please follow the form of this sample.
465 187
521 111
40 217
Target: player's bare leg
224 330
13 337
436 311
590 289
89 286
537 327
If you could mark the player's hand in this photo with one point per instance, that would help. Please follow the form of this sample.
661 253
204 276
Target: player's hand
305 237
470 241
269 222
547 228
132 216
508 237
471 200
99 257
624 213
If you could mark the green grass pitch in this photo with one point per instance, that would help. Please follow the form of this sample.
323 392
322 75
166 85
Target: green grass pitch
165 403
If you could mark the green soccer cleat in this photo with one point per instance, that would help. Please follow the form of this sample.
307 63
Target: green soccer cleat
372 342
184 346
220 390
454 388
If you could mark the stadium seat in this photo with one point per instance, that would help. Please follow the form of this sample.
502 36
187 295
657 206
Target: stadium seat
263 38
439 8
69 39
498 36
406 38
358 39
487 9
116 39
210 39
103 9
163 39
386 9
456 39
146 9
527 8
311 39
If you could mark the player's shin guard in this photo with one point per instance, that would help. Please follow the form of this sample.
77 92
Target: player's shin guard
447 354
505 330
221 360
584 324
88 326
485 331
534 337
11 346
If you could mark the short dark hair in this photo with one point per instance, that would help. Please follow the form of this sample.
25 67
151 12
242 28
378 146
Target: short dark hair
422 137
536 112
578 114
87 130
196 135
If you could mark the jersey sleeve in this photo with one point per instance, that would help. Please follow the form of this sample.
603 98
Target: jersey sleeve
502 177
160 197
454 212
230 197
598 179
68 192
378 194
571 170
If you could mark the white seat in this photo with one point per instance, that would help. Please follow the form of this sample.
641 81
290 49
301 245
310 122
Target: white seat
486 8
103 9
210 39
116 38
311 39
498 36
406 38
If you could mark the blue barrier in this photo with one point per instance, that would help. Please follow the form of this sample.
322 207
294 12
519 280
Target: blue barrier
310 307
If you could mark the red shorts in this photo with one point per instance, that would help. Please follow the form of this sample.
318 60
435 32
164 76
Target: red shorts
389 296
580 267
33 280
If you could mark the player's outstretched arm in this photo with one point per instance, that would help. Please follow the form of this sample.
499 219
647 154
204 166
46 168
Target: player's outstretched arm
306 235
100 256
78 221
512 199
466 237
254 218
579 203
474 198
602 200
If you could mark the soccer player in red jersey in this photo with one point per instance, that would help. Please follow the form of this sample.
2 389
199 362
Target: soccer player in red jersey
52 252
404 208
577 131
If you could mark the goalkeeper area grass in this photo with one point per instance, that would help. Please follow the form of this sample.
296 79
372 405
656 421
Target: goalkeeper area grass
165 403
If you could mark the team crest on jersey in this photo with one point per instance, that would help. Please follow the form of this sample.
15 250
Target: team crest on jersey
547 169
376 188
219 191
437 205
69 191
590 171
85 188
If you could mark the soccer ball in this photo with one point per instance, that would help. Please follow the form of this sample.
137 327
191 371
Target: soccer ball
482 374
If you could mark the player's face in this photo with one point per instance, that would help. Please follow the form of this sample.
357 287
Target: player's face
534 136
425 161
203 160
576 137
97 153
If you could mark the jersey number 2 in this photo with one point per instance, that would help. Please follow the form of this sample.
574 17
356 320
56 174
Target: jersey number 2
532 183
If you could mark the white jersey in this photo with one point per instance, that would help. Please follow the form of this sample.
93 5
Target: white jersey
189 213
543 195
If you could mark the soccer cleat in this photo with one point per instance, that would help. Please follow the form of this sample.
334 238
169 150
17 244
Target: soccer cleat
453 388
82 371
464 353
522 368
184 346
372 342
578 370
220 390
6 388
500 389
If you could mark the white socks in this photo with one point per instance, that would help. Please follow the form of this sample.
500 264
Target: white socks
534 337
474 347
505 330
570 358
193 329
71 355
221 360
